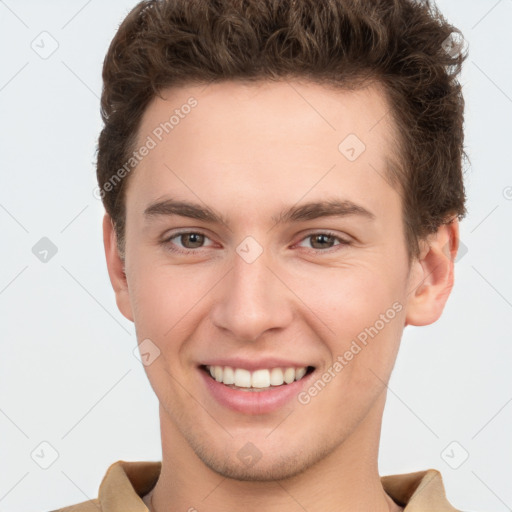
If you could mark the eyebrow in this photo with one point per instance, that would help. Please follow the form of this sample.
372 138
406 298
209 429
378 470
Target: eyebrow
296 213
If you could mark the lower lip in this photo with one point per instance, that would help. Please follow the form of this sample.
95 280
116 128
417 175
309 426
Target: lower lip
253 402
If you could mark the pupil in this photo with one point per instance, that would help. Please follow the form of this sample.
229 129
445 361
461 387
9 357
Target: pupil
322 237
195 238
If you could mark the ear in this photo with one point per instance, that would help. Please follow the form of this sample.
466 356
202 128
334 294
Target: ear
432 275
115 266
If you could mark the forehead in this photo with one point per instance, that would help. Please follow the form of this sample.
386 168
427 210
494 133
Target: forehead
253 113
265 140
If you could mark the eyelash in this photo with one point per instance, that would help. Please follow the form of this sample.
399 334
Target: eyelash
167 242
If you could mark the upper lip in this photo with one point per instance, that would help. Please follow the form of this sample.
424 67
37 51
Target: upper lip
255 364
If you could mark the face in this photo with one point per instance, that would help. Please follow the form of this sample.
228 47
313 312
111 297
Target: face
261 235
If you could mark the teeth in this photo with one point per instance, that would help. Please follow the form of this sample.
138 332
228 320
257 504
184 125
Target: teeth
300 372
242 377
259 379
276 376
289 375
228 376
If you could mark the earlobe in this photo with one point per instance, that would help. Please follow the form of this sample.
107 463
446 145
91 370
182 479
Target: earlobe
116 268
432 276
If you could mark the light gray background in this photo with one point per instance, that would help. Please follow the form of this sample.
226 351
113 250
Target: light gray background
67 369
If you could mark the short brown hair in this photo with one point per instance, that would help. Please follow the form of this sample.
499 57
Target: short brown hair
400 44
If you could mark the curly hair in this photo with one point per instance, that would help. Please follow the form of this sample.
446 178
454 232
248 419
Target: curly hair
407 46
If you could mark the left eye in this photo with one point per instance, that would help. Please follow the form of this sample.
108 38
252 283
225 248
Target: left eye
321 239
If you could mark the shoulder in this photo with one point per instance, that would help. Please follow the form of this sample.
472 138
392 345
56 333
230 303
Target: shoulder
121 488
85 506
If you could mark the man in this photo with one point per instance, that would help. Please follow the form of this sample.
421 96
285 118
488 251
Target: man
282 184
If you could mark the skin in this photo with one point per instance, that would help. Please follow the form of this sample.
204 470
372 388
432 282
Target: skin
247 151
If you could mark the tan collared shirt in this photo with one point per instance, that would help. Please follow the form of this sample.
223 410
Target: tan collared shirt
125 483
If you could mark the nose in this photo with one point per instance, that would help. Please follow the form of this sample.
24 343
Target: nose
252 299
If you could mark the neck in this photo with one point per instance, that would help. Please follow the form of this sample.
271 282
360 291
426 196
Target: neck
346 479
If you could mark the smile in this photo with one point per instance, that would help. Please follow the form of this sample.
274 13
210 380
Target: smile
258 380
257 392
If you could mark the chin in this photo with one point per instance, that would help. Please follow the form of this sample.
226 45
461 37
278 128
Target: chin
268 471
251 464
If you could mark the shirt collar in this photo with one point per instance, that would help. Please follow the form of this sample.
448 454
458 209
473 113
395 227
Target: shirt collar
125 483
422 491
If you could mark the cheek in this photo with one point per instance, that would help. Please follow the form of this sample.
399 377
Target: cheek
163 306
359 315
350 299
160 298
168 303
